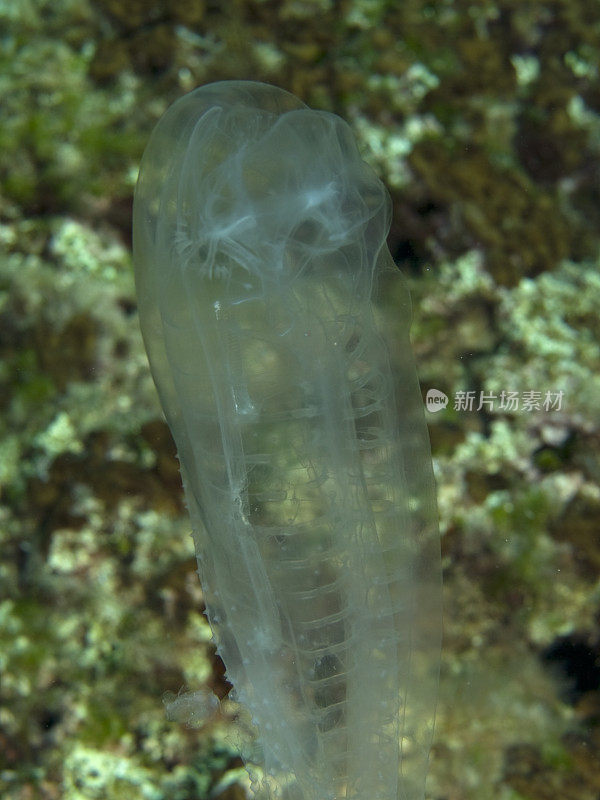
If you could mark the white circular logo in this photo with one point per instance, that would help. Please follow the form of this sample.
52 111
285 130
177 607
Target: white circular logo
436 400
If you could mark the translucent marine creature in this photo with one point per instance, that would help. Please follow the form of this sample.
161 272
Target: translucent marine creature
259 246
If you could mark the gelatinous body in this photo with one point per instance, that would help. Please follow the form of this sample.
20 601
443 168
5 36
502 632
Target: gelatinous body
259 242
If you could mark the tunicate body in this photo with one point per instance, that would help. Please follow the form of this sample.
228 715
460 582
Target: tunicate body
260 256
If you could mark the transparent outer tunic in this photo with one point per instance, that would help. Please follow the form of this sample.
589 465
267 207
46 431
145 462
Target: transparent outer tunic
259 247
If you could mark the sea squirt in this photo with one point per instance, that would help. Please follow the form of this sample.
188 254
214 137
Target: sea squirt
260 257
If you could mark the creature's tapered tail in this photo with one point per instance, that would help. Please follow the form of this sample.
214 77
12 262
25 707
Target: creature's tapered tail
259 244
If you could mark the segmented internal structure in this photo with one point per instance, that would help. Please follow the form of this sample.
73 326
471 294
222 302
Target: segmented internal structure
259 243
